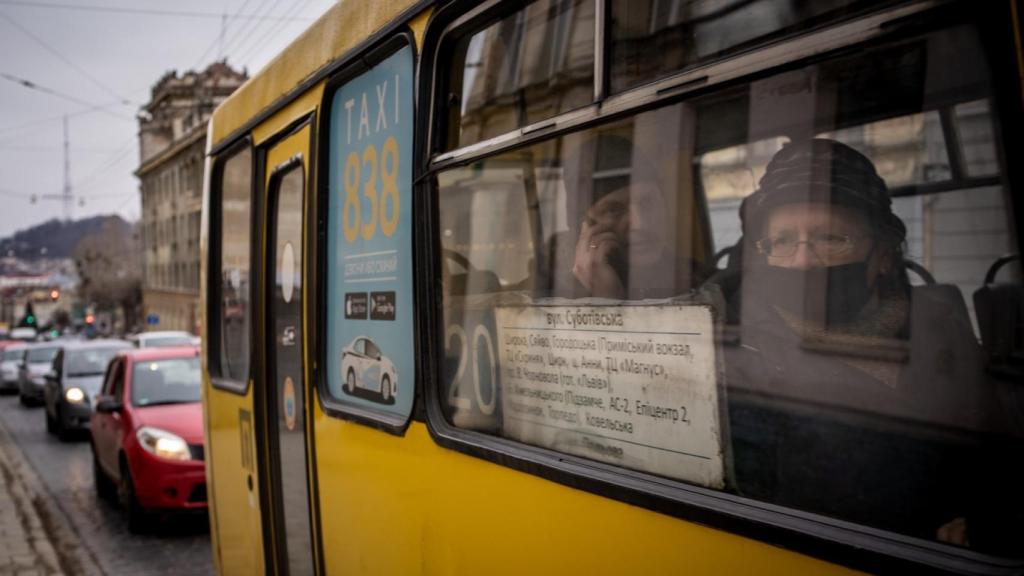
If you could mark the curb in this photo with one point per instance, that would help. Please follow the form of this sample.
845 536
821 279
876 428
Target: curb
57 548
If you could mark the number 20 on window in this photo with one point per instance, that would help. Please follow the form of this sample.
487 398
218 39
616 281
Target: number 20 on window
382 201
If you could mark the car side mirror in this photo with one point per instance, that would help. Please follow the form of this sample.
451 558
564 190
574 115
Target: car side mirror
108 405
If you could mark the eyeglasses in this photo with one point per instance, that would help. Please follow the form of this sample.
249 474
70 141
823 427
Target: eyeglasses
824 245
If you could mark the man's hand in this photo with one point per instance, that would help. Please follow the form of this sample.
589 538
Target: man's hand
592 266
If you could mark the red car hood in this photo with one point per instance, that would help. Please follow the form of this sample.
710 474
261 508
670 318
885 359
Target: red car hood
185 420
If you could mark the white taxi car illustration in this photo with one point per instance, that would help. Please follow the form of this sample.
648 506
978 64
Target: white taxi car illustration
364 368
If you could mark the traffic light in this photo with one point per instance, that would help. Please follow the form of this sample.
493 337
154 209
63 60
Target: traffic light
29 319
54 294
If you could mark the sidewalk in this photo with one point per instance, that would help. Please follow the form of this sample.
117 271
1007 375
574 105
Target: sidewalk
28 545
25 548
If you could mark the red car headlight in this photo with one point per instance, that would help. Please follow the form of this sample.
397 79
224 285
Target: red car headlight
163 444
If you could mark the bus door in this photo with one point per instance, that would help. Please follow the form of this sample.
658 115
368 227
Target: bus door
288 526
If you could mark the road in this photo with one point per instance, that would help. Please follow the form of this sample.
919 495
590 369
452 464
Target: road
176 545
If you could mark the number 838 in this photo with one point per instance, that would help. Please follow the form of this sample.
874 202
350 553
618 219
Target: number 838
383 205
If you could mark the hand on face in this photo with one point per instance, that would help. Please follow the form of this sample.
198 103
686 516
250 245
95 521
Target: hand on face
627 225
597 245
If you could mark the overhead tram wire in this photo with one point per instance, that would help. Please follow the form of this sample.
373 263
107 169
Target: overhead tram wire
12 133
46 46
278 27
140 11
13 194
116 158
88 182
33 86
220 37
247 28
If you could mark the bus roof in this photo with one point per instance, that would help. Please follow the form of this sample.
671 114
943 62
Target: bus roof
342 28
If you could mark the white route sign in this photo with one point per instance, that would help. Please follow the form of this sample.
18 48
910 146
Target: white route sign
633 386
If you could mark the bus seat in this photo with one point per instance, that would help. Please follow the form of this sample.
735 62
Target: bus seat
921 271
474 282
1000 310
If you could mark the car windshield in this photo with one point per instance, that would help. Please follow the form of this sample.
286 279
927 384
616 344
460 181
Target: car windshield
89 362
40 355
170 381
11 355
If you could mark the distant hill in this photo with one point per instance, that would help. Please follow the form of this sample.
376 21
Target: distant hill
54 238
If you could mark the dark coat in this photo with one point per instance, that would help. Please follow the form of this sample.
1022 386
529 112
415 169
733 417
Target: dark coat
903 432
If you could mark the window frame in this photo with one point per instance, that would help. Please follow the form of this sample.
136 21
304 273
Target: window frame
118 380
839 541
381 47
215 305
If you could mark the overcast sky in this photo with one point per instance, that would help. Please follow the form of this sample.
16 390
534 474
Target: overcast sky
94 55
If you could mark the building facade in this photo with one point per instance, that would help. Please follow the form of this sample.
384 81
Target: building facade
172 145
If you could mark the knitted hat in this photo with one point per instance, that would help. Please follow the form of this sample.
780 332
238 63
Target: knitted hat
825 171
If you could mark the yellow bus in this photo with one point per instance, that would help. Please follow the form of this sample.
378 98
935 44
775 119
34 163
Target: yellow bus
620 287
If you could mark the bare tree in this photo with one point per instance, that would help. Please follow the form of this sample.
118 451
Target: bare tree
109 263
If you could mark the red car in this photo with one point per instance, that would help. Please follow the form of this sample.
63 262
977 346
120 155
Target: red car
147 434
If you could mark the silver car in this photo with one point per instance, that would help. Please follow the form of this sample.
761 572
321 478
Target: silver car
10 361
33 370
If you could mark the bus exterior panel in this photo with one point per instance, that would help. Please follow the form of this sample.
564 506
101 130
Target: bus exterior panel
448 487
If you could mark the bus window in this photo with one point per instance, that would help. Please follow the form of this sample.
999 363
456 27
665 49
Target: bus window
233 315
652 39
370 361
491 229
540 58
820 234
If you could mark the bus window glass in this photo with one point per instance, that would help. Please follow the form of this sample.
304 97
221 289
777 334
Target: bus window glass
236 202
821 235
533 64
974 128
652 39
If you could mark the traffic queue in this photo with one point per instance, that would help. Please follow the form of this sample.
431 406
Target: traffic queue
137 402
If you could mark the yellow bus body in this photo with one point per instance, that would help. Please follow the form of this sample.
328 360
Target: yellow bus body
390 504
404 505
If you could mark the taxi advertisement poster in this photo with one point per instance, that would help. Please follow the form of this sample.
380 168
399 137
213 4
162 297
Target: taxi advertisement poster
370 342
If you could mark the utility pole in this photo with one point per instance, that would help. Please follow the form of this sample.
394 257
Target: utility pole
68 198
220 39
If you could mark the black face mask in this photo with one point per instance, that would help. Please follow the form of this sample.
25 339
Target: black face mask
827 296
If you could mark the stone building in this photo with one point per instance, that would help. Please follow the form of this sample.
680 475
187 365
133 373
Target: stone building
172 145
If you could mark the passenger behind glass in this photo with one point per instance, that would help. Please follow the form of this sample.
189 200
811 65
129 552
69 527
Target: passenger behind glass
622 239
825 289
843 374
625 242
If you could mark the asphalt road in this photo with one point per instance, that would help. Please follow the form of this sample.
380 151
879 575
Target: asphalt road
176 545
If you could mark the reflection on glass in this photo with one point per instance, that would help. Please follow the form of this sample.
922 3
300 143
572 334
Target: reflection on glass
288 388
652 39
89 362
974 127
531 65
236 191
851 253
40 355
170 381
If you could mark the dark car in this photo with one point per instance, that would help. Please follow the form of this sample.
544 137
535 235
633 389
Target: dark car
74 381
32 372
147 434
